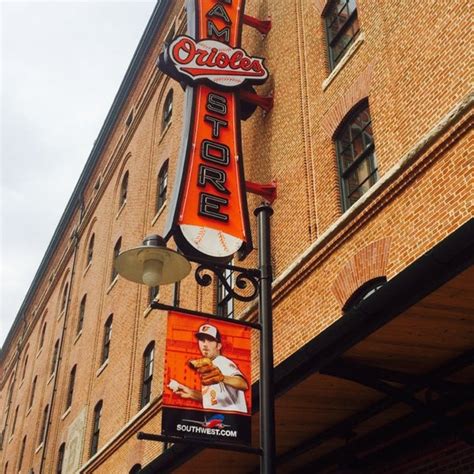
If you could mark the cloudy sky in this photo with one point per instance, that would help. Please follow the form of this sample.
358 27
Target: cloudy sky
62 63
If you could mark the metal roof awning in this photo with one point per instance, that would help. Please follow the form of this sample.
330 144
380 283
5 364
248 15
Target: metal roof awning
386 377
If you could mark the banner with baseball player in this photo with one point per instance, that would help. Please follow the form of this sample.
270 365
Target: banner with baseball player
207 392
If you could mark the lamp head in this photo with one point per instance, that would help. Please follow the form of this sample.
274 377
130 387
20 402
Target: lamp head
152 263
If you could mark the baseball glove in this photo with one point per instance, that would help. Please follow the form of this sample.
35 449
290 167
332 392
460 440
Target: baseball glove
210 374
197 363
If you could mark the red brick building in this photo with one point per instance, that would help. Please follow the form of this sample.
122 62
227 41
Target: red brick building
370 143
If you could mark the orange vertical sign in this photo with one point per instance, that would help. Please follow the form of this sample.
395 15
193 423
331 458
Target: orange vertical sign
208 214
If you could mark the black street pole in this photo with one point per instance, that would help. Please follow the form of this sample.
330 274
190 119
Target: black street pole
267 396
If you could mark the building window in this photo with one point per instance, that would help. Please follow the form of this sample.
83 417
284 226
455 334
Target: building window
14 419
55 357
225 302
153 294
162 186
123 190
96 428
167 110
117 247
135 469
59 464
42 336
129 119
356 155
70 390
33 390
148 357
82 312
44 424
64 298
107 337
22 453
342 26
363 292
25 364
90 249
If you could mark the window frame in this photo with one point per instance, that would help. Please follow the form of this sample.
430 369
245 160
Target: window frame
116 253
153 294
90 249
333 41
64 297
94 446
147 374
25 365
15 418
71 384
55 358
162 185
167 112
106 339
81 315
22 453
33 391
366 155
124 189
60 461
44 423
42 335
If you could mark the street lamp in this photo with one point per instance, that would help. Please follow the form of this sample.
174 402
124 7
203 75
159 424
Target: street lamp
154 264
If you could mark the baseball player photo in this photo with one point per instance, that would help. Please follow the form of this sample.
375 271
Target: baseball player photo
222 383
207 377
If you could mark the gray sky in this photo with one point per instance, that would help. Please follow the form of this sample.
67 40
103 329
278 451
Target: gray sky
62 63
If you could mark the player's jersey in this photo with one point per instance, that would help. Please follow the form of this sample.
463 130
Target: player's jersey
220 396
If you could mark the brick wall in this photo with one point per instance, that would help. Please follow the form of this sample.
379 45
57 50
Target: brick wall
413 72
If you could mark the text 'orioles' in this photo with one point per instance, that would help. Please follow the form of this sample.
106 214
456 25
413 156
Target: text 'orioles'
187 51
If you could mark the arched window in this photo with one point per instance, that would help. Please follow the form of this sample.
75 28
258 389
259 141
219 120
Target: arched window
44 425
70 390
147 378
59 464
42 336
363 292
25 364
356 155
55 357
96 428
123 190
33 390
135 469
64 297
153 293
342 27
167 110
82 312
107 338
162 186
22 453
90 249
15 417
117 247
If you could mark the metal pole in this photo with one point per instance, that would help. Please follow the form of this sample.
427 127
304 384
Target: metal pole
267 396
